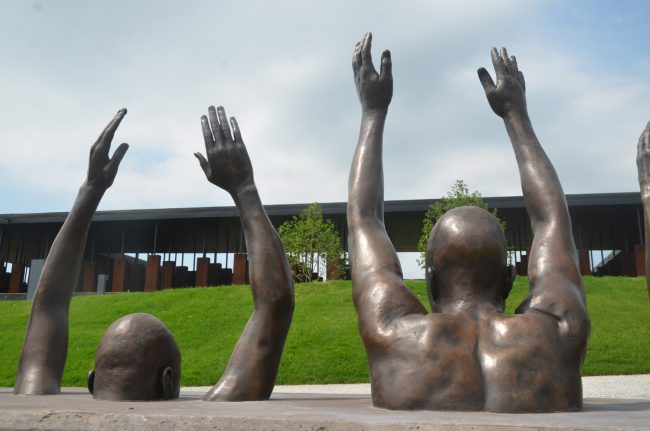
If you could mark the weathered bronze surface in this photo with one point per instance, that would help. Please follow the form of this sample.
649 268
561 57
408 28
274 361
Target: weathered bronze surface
253 366
137 360
44 351
466 355
643 166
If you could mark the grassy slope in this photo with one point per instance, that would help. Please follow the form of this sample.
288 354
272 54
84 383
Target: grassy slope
323 345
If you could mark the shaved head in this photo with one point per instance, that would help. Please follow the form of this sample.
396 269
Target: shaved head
466 247
137 359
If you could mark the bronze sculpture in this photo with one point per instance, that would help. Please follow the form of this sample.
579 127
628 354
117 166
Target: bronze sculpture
253 366
643 166
44 350
466 355
137 360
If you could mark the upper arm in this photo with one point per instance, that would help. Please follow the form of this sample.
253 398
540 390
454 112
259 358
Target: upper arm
382 301
561 299
377 283
555 283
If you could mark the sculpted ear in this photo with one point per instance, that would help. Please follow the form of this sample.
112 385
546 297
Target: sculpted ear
91 381
167 378
511 274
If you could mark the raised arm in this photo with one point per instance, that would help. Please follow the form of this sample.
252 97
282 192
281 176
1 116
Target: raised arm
253 366
44 351
643 165
377 283
555 285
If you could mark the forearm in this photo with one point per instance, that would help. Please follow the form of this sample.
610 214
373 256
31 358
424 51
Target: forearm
646 217
541 187
44 350
63 263
366 182
270 277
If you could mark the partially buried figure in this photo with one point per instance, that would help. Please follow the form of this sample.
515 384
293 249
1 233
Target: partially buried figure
466 355
253 366
643 166
138 358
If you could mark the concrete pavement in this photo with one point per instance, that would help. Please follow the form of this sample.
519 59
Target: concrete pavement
318 407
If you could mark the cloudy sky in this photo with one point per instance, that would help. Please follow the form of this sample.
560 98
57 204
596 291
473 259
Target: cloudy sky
283 68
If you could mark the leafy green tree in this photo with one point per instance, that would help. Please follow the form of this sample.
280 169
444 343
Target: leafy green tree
312 243
458 196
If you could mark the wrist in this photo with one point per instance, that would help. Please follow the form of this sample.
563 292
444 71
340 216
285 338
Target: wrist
374 115
243 189
91 191
517 114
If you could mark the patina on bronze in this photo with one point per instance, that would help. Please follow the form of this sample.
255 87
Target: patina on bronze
643 166
44 351
466 355
137 360
253 366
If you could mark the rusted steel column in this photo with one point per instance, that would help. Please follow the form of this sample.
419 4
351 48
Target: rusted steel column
639 257
152 275
240 269
202 271
119 275
168 269
89 277
17 272
583 260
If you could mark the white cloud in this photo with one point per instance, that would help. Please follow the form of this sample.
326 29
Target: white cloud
283 69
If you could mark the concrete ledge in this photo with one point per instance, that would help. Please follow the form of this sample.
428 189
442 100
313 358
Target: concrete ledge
76 410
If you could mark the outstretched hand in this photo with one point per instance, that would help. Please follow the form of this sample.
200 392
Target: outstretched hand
227 165
375 90
509 93
101 168
643 163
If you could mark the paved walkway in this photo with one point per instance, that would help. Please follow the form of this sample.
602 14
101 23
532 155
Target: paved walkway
611 387
611 403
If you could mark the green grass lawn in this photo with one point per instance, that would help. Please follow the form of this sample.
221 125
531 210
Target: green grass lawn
323 345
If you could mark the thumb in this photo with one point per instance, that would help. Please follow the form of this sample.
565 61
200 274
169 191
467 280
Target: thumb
204 164
486 79
115 161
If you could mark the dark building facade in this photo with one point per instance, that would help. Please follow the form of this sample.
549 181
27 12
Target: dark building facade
136 250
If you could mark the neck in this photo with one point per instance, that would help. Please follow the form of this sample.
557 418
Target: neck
476 304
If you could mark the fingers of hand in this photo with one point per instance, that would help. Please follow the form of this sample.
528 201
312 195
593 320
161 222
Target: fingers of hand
499 65
207 133
356 58
112 127
105 138
386 69
214 124
512 64
366 58
223 122
235 130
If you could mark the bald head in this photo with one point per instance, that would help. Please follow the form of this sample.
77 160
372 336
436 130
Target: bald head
467 252
137 359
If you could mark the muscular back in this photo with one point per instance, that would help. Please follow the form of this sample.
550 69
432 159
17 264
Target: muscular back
474 361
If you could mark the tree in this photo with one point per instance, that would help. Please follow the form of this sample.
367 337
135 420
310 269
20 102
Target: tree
311 243
458 196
